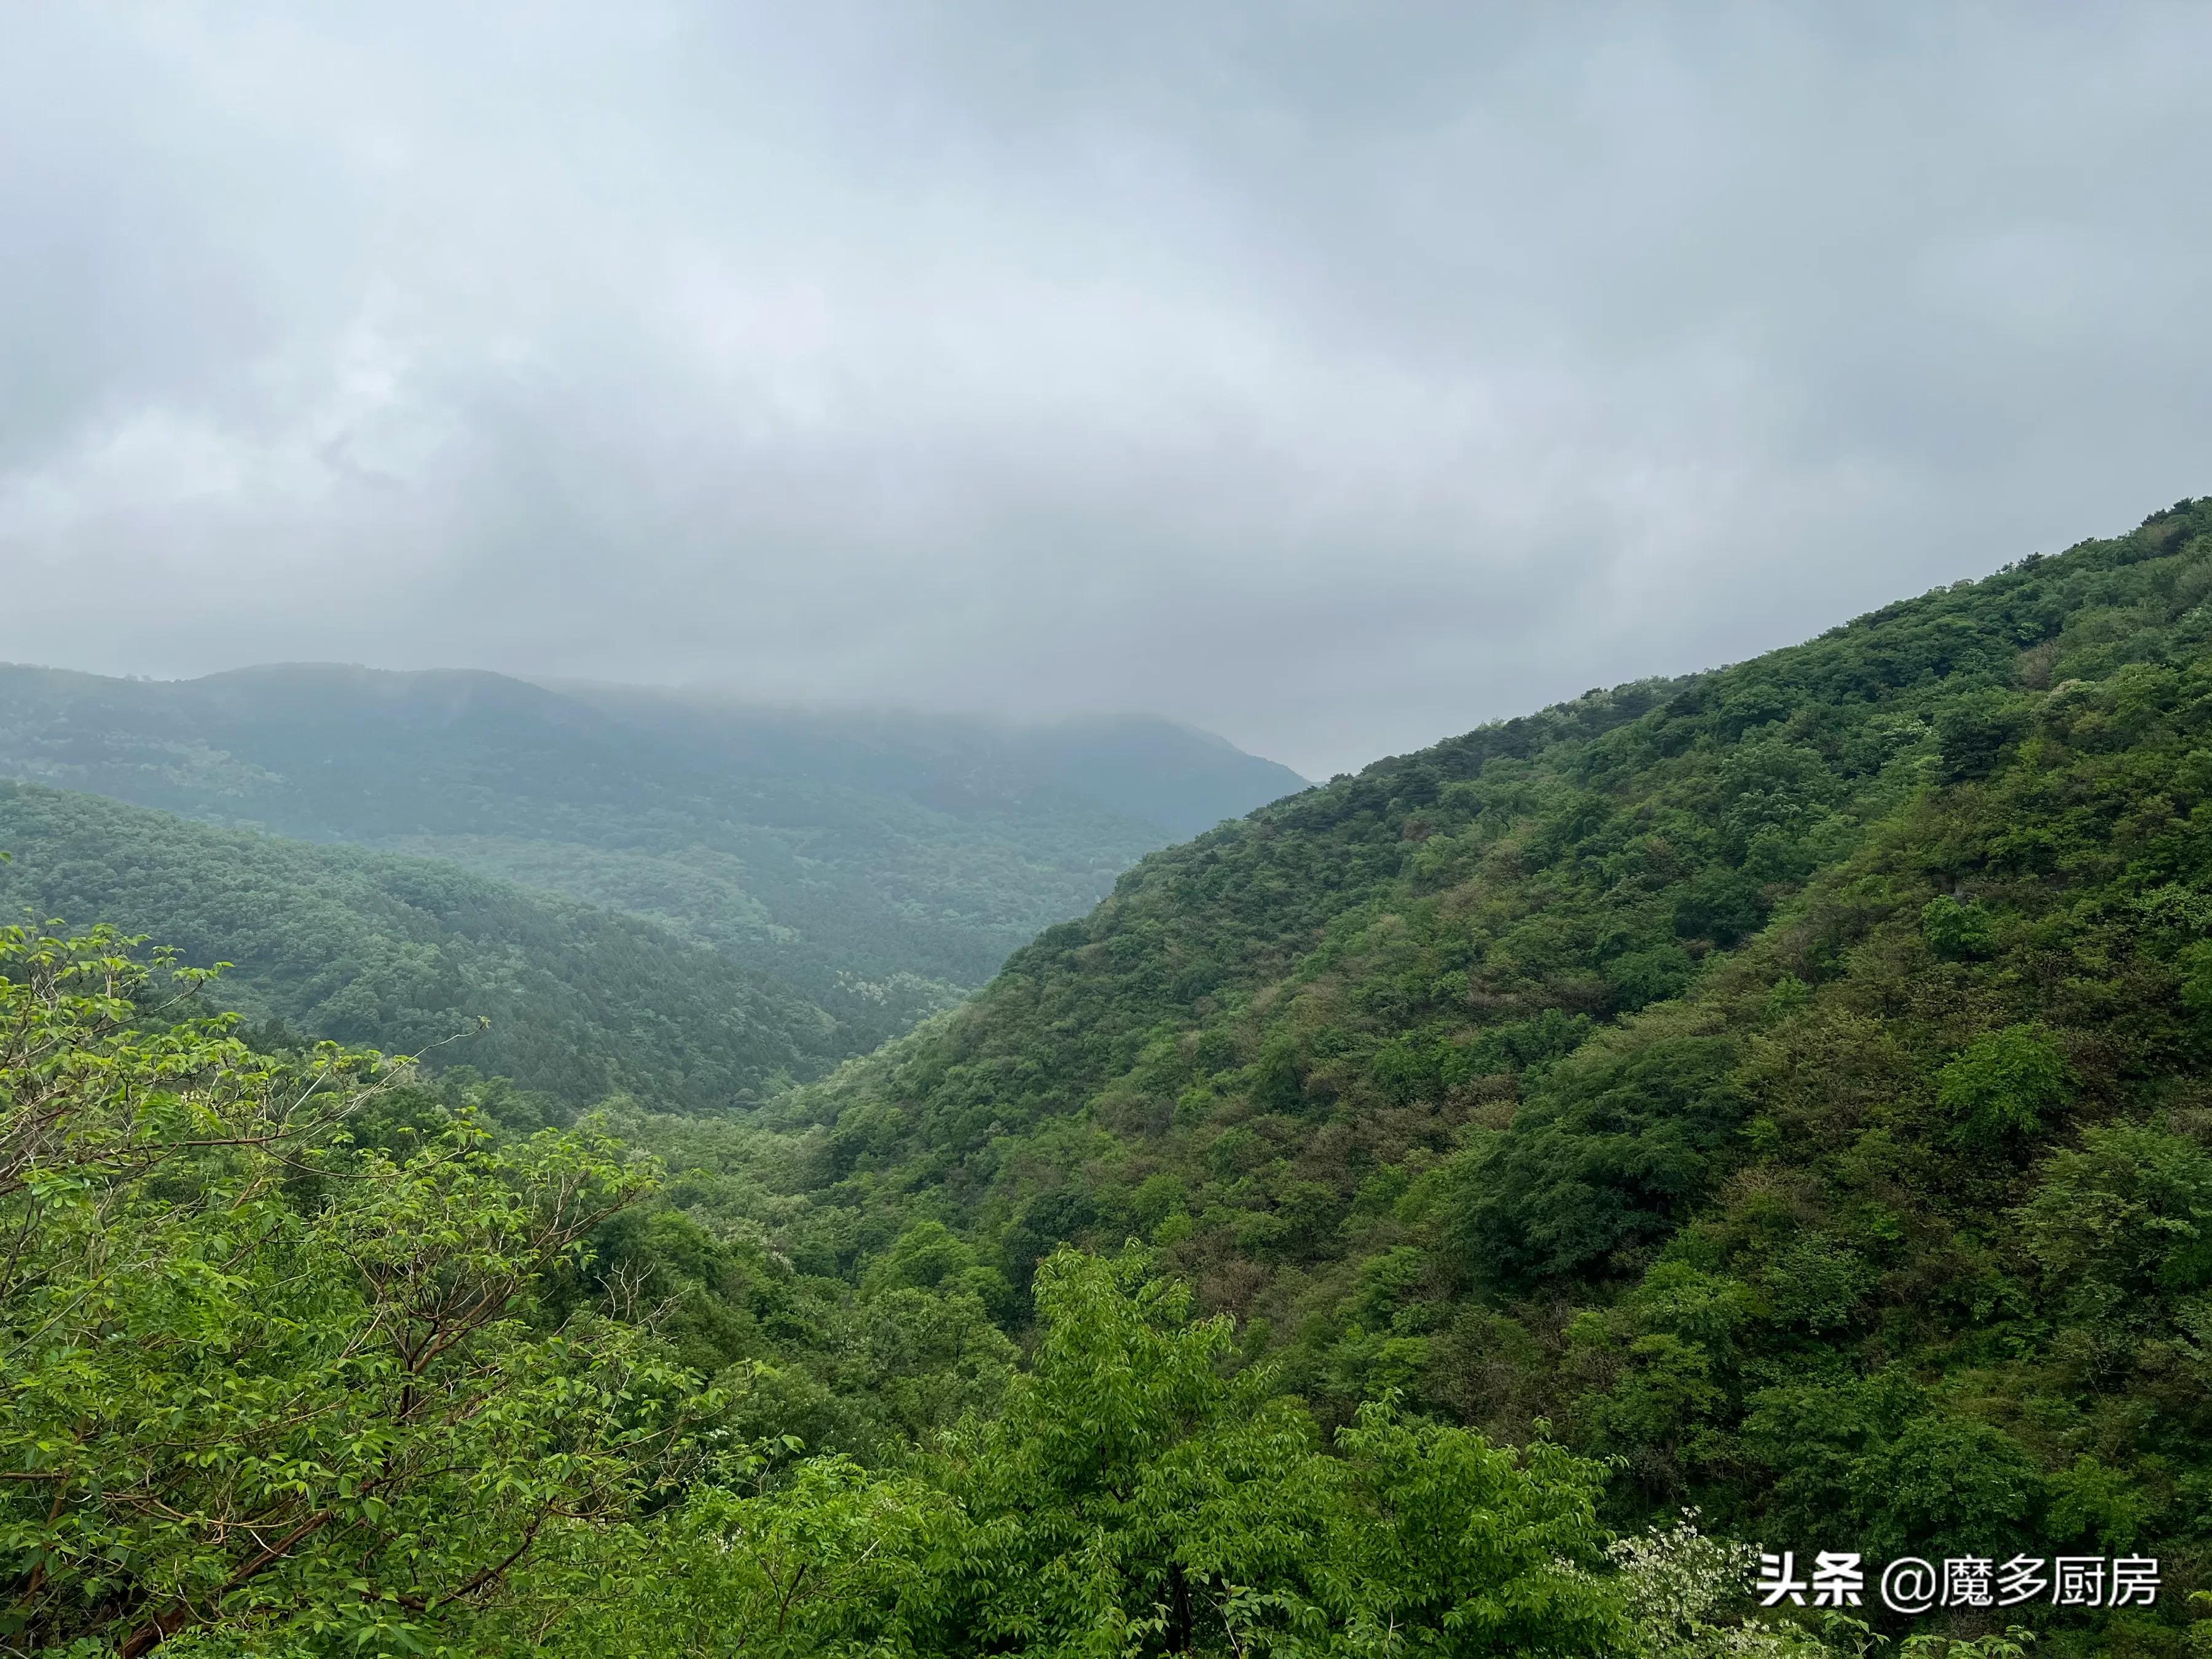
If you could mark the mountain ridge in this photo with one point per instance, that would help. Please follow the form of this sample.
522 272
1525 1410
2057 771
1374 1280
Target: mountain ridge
1777 1093
1786 1080
882 868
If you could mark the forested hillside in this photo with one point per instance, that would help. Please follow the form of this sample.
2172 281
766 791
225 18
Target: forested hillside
415 955
1780 1093
882 864
300 1358
1789 1081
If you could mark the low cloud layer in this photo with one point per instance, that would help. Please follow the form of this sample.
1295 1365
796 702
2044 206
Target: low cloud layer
1333 376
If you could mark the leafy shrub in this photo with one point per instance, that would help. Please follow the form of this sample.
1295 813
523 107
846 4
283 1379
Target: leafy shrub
1956 932
1971 733
1720 904
2002 1086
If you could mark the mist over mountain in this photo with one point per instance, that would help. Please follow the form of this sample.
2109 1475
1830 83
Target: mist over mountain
1787 1082
882 863
1157 771
1329 379
797 1072
1767 1104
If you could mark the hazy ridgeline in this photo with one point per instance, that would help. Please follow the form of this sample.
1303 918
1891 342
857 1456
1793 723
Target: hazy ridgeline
1780 1092
879 865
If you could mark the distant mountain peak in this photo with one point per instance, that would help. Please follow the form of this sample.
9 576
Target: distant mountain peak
831 848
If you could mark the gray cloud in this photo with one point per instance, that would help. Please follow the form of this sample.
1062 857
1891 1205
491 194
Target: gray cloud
1334 376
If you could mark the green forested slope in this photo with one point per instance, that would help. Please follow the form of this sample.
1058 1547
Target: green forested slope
1789 1080
294 1360
881 864
1781 1092
409 953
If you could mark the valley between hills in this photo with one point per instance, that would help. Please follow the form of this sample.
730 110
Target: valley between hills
885 1185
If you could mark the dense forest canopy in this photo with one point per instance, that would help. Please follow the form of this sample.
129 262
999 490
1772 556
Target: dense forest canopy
296 1358
880 864
1777 1095
422 956
1788 1082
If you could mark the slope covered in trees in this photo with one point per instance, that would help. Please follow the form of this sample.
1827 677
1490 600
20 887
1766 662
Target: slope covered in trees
413 955
297 1360
1789 1081
882 864
1780 1092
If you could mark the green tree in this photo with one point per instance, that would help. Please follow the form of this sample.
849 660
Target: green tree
2121 1226
1971 733
2002 1085
1956 932
259 1380
1139 1495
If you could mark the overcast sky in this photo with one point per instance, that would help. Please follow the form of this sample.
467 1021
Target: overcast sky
1334 376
